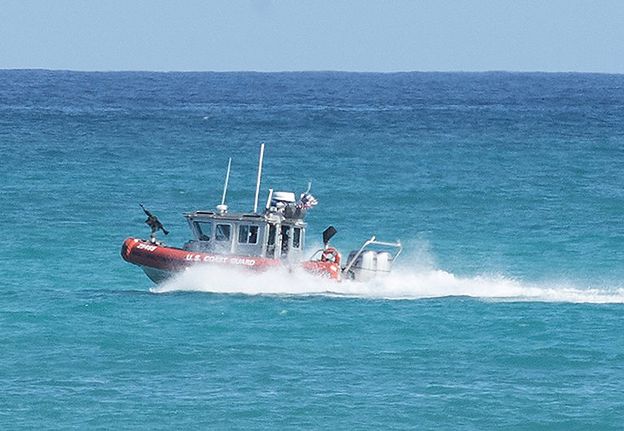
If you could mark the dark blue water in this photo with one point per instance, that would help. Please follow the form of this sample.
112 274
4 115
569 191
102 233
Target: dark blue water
504 312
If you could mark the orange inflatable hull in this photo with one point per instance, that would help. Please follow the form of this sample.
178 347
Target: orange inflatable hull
160 262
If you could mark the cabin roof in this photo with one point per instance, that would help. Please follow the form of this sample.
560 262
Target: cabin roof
237 217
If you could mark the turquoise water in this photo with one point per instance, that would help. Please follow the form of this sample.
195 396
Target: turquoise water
504 312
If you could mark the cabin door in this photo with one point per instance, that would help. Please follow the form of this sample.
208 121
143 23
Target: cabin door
285 241
270 251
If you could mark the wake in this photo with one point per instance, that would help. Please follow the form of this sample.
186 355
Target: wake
402 284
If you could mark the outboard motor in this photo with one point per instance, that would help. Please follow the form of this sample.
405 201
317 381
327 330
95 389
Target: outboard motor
369 264
384 262
365 264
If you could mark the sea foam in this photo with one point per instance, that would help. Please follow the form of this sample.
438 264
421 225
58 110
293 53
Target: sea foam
401 284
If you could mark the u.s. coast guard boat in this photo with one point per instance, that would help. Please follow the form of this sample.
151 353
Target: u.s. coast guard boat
257 240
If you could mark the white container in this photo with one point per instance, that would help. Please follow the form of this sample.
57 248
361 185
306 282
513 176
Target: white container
286 197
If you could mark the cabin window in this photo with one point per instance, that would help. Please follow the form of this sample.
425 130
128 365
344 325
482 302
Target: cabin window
247 234
222 233
204 228
297 237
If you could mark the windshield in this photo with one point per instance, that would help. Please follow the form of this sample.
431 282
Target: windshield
204 228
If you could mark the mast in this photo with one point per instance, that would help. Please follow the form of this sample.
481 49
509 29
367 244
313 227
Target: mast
227 179
259 177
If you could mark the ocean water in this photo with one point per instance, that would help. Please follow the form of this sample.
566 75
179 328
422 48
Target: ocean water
504 312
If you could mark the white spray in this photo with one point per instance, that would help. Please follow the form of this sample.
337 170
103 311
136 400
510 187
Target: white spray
401 284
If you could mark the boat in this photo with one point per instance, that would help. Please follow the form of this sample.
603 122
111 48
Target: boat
257 240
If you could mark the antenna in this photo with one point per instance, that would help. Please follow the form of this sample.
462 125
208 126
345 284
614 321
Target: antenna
258 179
227 180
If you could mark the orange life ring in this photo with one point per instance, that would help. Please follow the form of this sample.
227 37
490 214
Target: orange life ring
330 254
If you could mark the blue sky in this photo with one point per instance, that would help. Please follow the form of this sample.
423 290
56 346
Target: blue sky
276 35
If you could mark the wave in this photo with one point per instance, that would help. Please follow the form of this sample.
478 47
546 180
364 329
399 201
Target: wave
402 284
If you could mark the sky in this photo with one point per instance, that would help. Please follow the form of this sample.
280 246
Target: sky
298 35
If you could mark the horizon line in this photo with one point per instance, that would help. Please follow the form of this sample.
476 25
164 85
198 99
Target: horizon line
378 72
